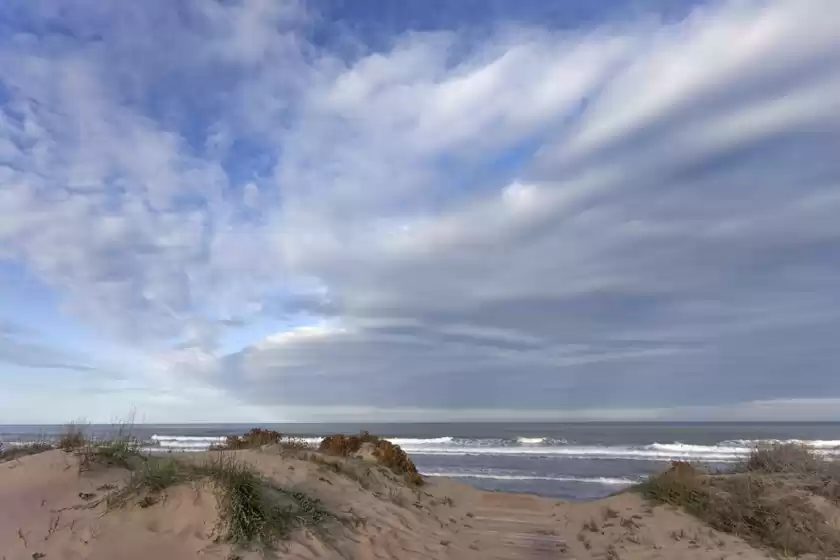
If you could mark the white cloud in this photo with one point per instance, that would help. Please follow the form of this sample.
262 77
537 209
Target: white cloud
473 219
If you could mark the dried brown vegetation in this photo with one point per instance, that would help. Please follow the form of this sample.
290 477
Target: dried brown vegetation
73 437
255 437
771 499
387 454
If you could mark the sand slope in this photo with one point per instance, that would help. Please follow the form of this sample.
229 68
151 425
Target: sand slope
47 507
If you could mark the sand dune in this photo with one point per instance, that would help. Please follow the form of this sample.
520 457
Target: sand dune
51 510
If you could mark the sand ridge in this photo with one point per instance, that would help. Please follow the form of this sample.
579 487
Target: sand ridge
49 508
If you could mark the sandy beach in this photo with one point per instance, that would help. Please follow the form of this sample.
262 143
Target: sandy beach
53 509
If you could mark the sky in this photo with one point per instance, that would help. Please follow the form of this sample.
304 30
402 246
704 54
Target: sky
275 211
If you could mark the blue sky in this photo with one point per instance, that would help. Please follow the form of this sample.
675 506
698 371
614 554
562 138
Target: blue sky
275 211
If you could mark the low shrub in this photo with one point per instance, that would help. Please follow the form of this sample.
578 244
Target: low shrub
394 458
387 454
253 438
344 446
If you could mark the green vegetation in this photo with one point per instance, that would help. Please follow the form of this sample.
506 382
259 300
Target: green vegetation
771 499
387 454
252 510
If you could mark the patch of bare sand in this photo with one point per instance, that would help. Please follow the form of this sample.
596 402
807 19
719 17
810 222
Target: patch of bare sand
48 507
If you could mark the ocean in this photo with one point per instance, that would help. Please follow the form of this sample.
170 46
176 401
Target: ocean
580 461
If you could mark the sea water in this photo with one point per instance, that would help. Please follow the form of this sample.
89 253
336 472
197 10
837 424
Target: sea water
578 461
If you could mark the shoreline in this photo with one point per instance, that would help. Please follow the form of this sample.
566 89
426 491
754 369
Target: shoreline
560 461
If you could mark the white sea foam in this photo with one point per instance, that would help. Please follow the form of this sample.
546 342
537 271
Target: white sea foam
813 444
579 479
419 442
186 443
188 438
21 443
530 440
585 452
723 452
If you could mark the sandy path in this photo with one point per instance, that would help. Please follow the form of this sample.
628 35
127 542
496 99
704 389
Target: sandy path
516 527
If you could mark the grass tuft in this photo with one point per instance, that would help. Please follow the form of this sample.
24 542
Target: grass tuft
787 458
72 438
252 511
123 452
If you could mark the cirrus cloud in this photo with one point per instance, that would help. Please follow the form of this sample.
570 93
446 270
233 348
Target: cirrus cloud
630 214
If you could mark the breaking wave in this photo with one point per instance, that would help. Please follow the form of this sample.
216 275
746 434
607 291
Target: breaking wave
610 481
723 452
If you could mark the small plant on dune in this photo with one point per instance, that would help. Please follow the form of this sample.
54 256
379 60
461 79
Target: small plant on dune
72 438
150 476
255 511
123 452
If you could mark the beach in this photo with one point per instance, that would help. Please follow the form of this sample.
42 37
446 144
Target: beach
53 508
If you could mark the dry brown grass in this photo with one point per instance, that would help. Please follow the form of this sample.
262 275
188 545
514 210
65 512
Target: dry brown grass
73 437
255 437
784 458
769 500
344 446
387 454
296 444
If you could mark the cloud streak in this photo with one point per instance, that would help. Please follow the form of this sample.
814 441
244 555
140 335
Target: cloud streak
18 348
634 214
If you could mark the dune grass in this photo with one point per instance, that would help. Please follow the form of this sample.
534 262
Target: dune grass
771 499
73 437
252 510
